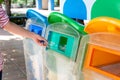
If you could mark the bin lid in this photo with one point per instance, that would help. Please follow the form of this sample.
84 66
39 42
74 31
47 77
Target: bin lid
103 24
75 10
34 14
59 17
108 8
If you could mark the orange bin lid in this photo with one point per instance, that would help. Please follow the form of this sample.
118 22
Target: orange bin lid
103 24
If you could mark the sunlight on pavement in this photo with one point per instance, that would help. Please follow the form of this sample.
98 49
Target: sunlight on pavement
9 37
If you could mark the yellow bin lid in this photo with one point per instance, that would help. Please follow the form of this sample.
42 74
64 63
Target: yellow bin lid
103 24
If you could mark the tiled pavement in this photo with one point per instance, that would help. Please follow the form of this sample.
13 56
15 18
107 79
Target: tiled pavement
12 48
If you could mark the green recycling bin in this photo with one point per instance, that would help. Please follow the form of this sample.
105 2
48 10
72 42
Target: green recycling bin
63 35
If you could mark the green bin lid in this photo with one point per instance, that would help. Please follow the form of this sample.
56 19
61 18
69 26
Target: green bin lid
59 17
108 8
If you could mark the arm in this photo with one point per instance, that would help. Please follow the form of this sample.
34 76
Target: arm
16 29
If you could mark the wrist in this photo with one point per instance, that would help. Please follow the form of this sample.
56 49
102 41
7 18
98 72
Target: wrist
31 35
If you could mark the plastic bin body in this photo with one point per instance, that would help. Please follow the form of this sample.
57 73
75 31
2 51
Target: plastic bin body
62 51
36 22
34 60
63 46
100 50
36 27
33 52
102 57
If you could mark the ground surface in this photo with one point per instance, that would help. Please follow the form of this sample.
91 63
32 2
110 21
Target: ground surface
13 51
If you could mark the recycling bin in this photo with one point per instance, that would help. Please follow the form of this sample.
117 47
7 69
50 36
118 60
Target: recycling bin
102 60
100 54
34 53
34 60
63 35
61 52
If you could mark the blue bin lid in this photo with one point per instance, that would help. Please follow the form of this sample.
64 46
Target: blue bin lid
34 14
75 9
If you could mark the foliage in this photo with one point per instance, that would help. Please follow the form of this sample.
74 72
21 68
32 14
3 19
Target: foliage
1 1
23 2
14 1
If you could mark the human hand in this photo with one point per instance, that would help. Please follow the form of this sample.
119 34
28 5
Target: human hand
39 40
16 29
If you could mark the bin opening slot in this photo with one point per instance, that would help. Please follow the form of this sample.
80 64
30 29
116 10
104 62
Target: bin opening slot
62 43
103 60
36 29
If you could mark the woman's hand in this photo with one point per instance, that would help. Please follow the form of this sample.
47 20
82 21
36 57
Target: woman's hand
39 40
16 29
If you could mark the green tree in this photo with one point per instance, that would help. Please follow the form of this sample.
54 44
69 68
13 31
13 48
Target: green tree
1 1
14 1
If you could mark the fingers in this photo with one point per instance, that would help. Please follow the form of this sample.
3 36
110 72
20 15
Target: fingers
39 40
43 43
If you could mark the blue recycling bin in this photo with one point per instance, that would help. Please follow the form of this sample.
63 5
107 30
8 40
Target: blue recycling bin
36 23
